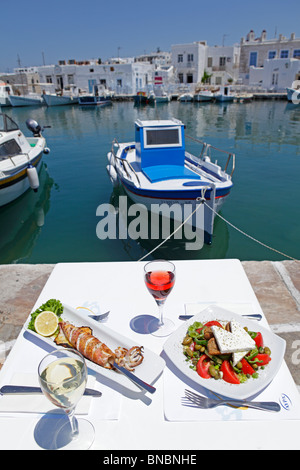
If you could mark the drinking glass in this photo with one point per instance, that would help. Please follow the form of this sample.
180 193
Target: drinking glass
160 279
63 376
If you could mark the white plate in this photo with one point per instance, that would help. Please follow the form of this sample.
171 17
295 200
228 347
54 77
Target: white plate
148 371
174 349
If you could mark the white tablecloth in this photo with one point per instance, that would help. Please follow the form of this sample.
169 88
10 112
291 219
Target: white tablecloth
141 423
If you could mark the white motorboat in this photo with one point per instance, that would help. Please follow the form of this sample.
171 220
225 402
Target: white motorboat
156 170
5 92
225 94
26 100
20 158
185 97
204 95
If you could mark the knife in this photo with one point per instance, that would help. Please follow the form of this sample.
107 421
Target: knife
251 316
23 390
135 379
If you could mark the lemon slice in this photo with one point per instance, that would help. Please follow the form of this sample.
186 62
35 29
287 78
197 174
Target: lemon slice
46 323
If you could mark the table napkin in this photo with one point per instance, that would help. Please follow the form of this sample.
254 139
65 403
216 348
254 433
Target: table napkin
282 389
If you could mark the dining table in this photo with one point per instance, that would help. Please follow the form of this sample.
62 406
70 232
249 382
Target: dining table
127 418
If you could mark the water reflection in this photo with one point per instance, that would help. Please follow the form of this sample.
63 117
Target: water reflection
172 248
21 221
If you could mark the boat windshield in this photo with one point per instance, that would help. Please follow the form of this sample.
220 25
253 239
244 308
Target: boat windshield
162 137
7 124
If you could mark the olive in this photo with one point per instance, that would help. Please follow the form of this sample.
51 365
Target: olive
213 372
189 352
187 340
267 351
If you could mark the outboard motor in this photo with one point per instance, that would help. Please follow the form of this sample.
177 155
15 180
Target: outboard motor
34 127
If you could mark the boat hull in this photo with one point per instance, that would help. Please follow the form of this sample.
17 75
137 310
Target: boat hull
94 101
224 98
54 100
188 201
18 101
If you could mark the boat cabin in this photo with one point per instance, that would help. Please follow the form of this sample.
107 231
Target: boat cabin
12 140
160 150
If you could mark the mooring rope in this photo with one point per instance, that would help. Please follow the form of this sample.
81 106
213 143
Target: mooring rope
202 200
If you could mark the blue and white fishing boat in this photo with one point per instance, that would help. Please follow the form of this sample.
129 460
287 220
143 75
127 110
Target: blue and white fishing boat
156 169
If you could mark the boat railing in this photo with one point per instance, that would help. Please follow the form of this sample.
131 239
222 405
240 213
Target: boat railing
126 165
206 150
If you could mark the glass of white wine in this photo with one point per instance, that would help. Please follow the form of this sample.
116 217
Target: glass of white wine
63 376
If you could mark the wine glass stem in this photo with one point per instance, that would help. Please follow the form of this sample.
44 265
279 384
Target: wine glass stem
160 313
73 421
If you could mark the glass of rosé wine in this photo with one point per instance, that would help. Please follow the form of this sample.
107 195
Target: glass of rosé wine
160 279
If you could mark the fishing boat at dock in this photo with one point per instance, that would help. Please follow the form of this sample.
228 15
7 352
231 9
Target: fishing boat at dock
20 158
156 169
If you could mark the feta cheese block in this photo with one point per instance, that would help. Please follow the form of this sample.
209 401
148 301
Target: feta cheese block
229 342
237 328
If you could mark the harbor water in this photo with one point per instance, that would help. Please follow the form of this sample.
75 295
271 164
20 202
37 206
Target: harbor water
58 223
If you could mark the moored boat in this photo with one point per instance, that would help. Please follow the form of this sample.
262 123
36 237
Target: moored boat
20 158
225 94
156 169
204 95
143 97
54 99
25 100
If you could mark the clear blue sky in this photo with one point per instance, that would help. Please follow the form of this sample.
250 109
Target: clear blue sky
73 29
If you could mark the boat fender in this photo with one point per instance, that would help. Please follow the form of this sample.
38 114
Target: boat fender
112 175
46 150
111 159
33 178
206 158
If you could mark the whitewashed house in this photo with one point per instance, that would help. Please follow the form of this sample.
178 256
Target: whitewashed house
122 78
255 51
276 74
192 61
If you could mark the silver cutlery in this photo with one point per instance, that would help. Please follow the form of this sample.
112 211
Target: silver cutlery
251 316
23 390
206 403
133 378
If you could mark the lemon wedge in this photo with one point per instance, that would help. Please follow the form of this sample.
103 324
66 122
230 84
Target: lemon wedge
46 323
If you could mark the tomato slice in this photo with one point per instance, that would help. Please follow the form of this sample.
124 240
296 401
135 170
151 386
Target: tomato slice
213 323
259 340
247 368
228 373
263 359
203 366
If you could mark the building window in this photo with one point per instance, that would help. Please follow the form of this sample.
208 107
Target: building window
180 58
275 79
189 78
190 57
209 62
284 54
70 79
253 59
222 61
272 55
48 79
119 82
218 80
296 54
180 77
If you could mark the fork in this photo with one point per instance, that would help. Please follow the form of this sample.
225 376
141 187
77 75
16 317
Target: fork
206 403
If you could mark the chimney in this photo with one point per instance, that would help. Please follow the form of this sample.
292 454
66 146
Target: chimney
263 36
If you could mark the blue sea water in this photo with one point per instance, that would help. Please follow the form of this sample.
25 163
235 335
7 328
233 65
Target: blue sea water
58 224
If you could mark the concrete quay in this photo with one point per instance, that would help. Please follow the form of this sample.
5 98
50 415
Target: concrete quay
276 285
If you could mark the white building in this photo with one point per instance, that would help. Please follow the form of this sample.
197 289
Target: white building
255 51
276 74
122 78
191 61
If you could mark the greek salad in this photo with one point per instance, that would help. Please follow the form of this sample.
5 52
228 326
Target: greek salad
225 351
